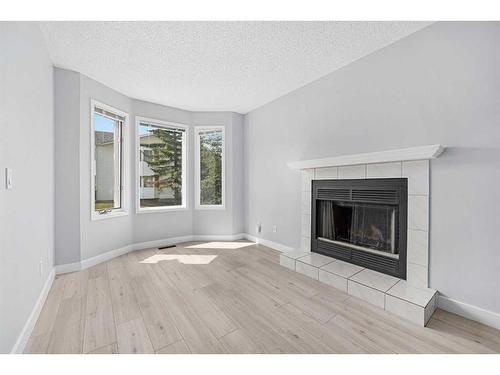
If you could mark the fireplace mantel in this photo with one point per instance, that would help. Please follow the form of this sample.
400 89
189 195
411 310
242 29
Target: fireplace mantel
403 154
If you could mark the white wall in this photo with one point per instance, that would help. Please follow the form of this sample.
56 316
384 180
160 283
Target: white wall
439 85
26 146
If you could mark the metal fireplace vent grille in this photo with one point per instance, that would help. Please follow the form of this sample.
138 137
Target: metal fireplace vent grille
377 262
334 194
359 195
375 196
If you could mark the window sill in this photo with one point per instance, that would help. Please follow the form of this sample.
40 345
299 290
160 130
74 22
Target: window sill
153 210
219 208
111 215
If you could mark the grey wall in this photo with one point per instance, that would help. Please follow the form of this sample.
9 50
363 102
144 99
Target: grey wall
222 222
439 85
67 163
238 173
26 146
160 225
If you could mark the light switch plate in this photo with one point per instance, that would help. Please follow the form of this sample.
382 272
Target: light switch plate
8 178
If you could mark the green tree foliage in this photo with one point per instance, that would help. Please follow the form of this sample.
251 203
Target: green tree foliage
211 168
165 159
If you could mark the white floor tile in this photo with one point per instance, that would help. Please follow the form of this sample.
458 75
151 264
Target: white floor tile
375 280
306 225
407 310
331 279
342 268
418 247
417 173
430 308
411 293
294 254
417 275
305 244
330 173
375 297
384 170
307 175
315 259
287 262
418 212
306 202
306 269
352 171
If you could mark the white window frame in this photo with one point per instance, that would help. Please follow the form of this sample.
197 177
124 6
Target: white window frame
197 186
165 124
124 194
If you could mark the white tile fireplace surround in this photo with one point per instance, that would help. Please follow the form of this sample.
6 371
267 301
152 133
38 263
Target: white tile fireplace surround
411 299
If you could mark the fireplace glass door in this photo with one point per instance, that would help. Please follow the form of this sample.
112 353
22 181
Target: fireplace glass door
365 226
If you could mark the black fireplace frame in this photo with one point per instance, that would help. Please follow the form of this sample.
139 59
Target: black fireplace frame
393 191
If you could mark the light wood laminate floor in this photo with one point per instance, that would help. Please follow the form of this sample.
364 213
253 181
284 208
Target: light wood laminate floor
228 297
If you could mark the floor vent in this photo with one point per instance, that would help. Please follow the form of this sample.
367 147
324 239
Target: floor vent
166 247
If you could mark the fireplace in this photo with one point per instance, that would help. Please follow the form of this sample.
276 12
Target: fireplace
362 222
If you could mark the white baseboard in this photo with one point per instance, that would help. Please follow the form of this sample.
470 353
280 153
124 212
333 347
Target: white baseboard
89 262
271 244
23 338
68 267
224 237
478 314
162 242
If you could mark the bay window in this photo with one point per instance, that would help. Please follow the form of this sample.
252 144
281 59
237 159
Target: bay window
210 167
161 165
108 161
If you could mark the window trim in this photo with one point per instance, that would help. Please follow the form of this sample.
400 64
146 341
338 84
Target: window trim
124 197
197 187
185 145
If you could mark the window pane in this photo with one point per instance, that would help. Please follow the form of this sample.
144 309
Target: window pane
211 144
107 162
160 169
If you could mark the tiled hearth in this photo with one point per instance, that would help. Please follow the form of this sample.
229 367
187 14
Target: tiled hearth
410 298
389 293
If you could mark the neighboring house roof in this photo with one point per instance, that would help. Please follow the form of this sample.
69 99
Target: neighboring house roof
102 138
148 139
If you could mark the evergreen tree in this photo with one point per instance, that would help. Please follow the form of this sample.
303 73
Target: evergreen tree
211 168
165 159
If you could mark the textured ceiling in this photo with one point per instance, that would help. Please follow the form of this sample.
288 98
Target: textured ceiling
214 66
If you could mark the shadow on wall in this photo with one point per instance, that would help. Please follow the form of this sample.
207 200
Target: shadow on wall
471 155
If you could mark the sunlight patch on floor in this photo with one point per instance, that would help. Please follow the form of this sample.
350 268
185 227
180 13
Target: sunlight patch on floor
220 245
181 258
